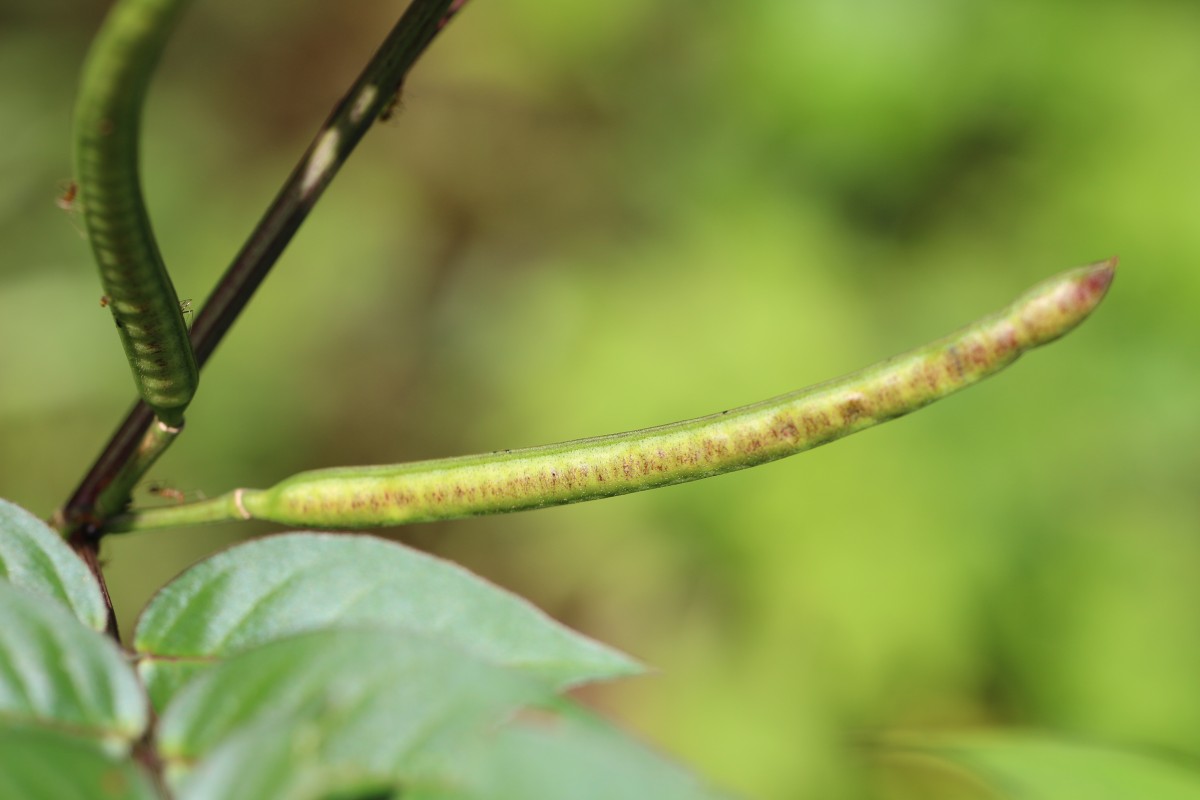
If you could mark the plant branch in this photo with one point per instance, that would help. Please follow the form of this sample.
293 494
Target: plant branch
154 443
588 469
359 108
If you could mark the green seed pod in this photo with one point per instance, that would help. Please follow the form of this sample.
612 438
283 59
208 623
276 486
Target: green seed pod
512 480
107 118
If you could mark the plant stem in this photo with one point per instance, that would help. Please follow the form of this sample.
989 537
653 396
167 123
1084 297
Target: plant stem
587 469
81 518
346 126
154 443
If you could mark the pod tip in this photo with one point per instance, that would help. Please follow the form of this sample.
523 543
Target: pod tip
1096 279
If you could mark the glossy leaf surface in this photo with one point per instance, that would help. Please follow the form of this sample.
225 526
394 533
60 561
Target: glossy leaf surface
324 707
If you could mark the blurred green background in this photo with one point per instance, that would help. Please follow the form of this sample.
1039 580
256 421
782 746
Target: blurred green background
591 217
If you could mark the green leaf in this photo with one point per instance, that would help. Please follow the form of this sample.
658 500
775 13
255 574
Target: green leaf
270 588
363 713
57 673
1040 767
36 558
39 763
573 756
335 709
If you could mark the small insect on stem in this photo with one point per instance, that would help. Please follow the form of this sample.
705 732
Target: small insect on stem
104 301
393 105
185 308
66 200
160 489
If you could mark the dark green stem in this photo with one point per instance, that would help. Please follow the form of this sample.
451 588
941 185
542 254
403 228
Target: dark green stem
349 122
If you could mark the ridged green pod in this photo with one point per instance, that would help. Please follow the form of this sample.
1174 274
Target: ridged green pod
512 480
107 120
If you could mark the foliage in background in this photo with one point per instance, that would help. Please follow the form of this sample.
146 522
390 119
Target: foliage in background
790 171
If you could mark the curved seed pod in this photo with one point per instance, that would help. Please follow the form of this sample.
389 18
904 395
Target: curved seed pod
107 118
513 480
88 508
